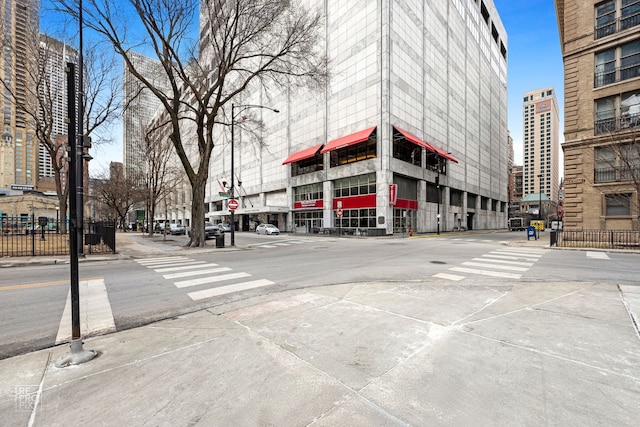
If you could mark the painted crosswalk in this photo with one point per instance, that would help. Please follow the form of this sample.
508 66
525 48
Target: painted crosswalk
188 273
273 245
507 263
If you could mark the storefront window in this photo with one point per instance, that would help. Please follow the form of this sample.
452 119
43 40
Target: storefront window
355 186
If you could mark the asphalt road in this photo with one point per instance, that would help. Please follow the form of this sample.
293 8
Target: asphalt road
137 292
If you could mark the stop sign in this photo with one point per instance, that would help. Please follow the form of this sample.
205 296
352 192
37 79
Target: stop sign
233 204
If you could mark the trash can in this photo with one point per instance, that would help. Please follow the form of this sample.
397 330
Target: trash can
531 232
553 238
220 241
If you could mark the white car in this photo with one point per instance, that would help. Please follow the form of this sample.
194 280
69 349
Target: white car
267 229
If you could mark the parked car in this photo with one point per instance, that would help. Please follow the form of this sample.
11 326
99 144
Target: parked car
177 229
267 229
210 231
224 227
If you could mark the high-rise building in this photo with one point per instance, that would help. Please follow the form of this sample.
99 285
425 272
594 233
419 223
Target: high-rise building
600 48
18 148
141 107
410 132
541 124
54 55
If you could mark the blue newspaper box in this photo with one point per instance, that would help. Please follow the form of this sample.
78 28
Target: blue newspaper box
531 232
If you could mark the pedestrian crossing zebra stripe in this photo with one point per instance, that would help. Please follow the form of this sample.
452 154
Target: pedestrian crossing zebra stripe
504 261
487 272
212 279
498 266
146 261
195 273
223 290
199 264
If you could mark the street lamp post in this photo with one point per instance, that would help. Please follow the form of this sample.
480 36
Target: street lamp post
240 109
57 219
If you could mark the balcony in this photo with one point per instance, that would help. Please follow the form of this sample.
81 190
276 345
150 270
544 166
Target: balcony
629 69
604 174
619 24
616 124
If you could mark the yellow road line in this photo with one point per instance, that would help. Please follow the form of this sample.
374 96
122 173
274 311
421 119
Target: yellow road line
42 284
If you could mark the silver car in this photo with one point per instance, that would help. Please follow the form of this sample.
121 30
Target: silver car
267 229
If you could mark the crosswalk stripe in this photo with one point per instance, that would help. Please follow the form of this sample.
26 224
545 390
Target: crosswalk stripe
518 253
499 267
597 255
152 260
169 263
448 276
199 264
95 310
212 279
281 244
486 272
222 290
267 246
195 273
502 261
510 257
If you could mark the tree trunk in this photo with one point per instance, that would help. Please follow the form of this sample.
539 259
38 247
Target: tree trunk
198 187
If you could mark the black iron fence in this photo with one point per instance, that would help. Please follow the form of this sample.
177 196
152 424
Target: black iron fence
603 239
32 236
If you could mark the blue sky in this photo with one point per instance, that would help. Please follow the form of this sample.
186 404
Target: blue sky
534 58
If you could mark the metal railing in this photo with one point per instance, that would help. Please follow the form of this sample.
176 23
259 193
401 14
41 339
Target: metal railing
618 24
24 236
601 239
614 124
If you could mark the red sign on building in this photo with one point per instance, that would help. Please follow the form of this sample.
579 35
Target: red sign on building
393 194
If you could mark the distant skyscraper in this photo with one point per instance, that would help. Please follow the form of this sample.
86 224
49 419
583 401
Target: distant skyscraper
141 107
18 148
55 56
541 143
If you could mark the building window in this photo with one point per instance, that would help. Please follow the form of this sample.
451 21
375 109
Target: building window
630 60
355 186
617 163
606 21
406 150
356 152
617 204
308 192
355 218
605 68
312 164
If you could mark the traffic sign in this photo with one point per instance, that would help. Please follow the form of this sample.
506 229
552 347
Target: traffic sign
339 213
233 204
224 195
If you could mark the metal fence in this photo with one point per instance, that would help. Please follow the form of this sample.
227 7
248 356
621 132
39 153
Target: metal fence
31 236
603 239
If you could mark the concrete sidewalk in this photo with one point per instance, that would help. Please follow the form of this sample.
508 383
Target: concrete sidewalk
366 354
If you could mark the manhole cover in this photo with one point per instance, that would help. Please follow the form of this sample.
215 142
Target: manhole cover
438 262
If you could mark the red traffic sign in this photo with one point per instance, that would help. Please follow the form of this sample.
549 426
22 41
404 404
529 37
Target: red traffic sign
339 213
233 204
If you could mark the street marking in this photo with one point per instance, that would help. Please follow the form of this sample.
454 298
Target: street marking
267 246
448 276
501 261
195 273
198 264
162 259
222 290
95 310
205 280
41 284
510 257
487 273
597 255
499 267
281 244
517 253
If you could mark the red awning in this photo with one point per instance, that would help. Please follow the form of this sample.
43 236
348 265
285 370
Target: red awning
429 147
301 155
345 141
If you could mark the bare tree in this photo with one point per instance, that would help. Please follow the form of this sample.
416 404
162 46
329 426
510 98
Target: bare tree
244 44
617 164
118 193
45 100
161 175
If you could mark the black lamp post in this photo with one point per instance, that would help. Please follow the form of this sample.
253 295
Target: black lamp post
240 108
